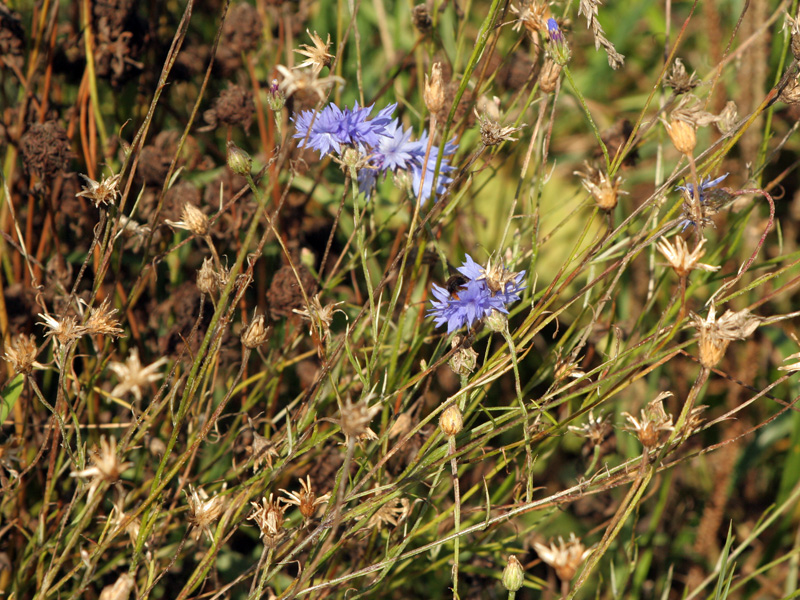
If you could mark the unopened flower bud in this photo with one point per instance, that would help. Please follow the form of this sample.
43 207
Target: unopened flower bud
239 161
548 77
256 333
276 99
434 90
513 575
206 278
558 44
497 321
464 360
683 136
451 421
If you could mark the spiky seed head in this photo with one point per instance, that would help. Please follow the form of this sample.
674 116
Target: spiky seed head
239 161
654 425
679 257
464 360
451 421
434 89
317 55
269 517
492 133
565 558
715 334
603 189
100 192
513 574
356 418
101 321
682 134
206 277
306 500
203 511
679 79
548 77
256 333
21 352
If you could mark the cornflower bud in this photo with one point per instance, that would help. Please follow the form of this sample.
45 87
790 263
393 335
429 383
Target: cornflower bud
497 321
558 47
239 161
513 574
276 99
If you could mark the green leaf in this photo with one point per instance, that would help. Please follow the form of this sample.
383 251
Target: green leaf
10 395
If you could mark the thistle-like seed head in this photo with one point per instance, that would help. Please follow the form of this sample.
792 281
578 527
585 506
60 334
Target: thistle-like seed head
655 424
102 192
603 189
317 55
565 558
679 257
492 133
21 352
269 517
355 418
679 79
203 511
256 333
715 334
434 89
101 321
306 500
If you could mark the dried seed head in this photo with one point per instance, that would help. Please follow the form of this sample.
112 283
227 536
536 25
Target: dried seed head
548 77
305 81
269 517
531 14
256 333
421 18
595 430
106 466
728 118
464 360
716 334
794 30
64 330
261 450
682 134
390 513
451 421
101 321
305 499
319 316
239 161
679 257
565 558
119 590
133 377
206 277
679 80
790 94
21 352
192 219
102 192
513 574
434 93
604 191
317 55
355 418
655 424
491 131
793 366
203 511
401 425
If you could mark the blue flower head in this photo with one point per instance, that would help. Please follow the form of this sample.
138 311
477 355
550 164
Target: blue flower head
704 192
333 127
553 30
475 300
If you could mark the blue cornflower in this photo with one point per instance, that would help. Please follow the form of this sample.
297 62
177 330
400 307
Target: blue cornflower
688 189
430 168
333 127
474 300
553 31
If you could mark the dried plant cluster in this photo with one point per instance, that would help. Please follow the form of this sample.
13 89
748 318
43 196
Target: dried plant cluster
365 300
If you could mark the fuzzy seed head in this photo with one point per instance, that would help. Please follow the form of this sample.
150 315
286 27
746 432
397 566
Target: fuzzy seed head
64 330
256 333
203 511
101 321
451 421
21 352
269 517
434 89
513 574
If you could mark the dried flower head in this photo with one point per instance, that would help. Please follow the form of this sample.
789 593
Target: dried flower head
120 519
207 279
549 75
513 574
434 93
305 499
389 512
355 419
679 257
320 317
21 351
305 81
133 377
715 334
531 14
269 517
795 366
261 450
421 17
64 330
192 219
679 80
565 558
101 321
317 55
603 189
596 430
451 420
102 192
794 30
655 424
256 333
203 511
682 134
106 466
699 215
119 590
464 360
492 133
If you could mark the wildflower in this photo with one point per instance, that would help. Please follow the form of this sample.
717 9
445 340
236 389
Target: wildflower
558 44
390 513
203 511
101 321
492 133
595 430
192 219
133 377
654 423
434 90
679 80
21 353
276 99
474 300
603 189
679 257
708 202
317 56
296 80
256 333
100 192
106 466
355 419
331 128
305 499
451 421
564 558
715 334
513 574
269 517
64 330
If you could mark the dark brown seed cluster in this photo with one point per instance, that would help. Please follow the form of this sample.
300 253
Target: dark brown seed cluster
45 149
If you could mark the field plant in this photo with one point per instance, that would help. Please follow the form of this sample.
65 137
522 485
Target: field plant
366 299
